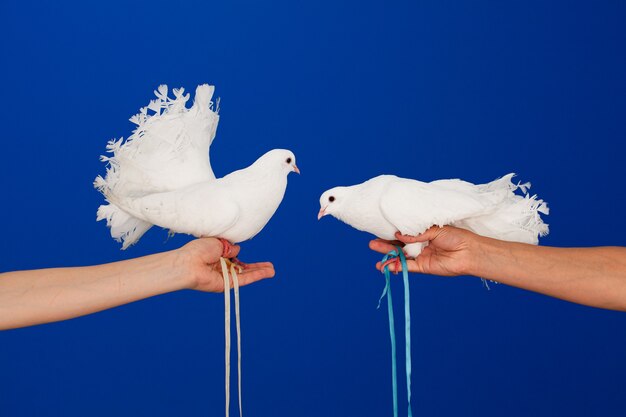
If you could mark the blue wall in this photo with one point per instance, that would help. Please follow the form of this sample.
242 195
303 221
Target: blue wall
355 89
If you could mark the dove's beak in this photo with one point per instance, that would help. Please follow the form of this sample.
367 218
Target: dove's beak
296 169
322 213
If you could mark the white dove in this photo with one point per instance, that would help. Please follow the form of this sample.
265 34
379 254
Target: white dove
161 175
386 204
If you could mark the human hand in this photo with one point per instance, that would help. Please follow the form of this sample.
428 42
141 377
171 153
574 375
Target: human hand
200 260
447 253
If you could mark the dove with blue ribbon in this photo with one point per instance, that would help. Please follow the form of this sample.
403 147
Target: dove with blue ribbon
387 204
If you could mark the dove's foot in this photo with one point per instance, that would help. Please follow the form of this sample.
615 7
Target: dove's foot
234 262
395 260
241 265
231 261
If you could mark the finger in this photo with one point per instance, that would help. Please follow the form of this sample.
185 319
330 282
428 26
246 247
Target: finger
412 266
391 242
381 246
258 265
428 235
385 246
233 251
251 276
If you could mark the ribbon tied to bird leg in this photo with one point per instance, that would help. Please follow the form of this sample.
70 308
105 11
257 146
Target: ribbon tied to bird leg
233 274
397 256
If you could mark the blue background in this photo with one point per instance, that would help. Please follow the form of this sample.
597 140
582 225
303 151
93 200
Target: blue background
356 89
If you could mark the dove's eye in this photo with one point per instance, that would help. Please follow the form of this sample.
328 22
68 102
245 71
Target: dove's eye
331 198
288 160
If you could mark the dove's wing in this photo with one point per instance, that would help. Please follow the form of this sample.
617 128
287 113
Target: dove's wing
199 210
169 149
413 206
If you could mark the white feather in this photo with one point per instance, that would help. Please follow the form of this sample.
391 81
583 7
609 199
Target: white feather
161 175
124 227
168 150
386 204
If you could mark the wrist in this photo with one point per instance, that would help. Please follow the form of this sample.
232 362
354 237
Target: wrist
178 265
490 258
477 248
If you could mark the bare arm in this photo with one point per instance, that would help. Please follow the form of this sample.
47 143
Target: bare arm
590 276
46 295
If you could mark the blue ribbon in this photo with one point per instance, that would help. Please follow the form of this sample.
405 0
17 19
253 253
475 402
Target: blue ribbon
398 253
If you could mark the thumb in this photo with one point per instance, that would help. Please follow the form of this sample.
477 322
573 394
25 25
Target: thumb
229 250
212 249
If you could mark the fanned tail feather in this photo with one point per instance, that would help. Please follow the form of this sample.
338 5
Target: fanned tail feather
167 150
124 227
516 218
173 128
202 100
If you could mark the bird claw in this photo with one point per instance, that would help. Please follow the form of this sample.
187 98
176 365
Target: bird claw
234 262
231 261
239 264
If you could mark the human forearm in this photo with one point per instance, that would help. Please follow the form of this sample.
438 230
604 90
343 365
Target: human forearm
590 276
41 296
